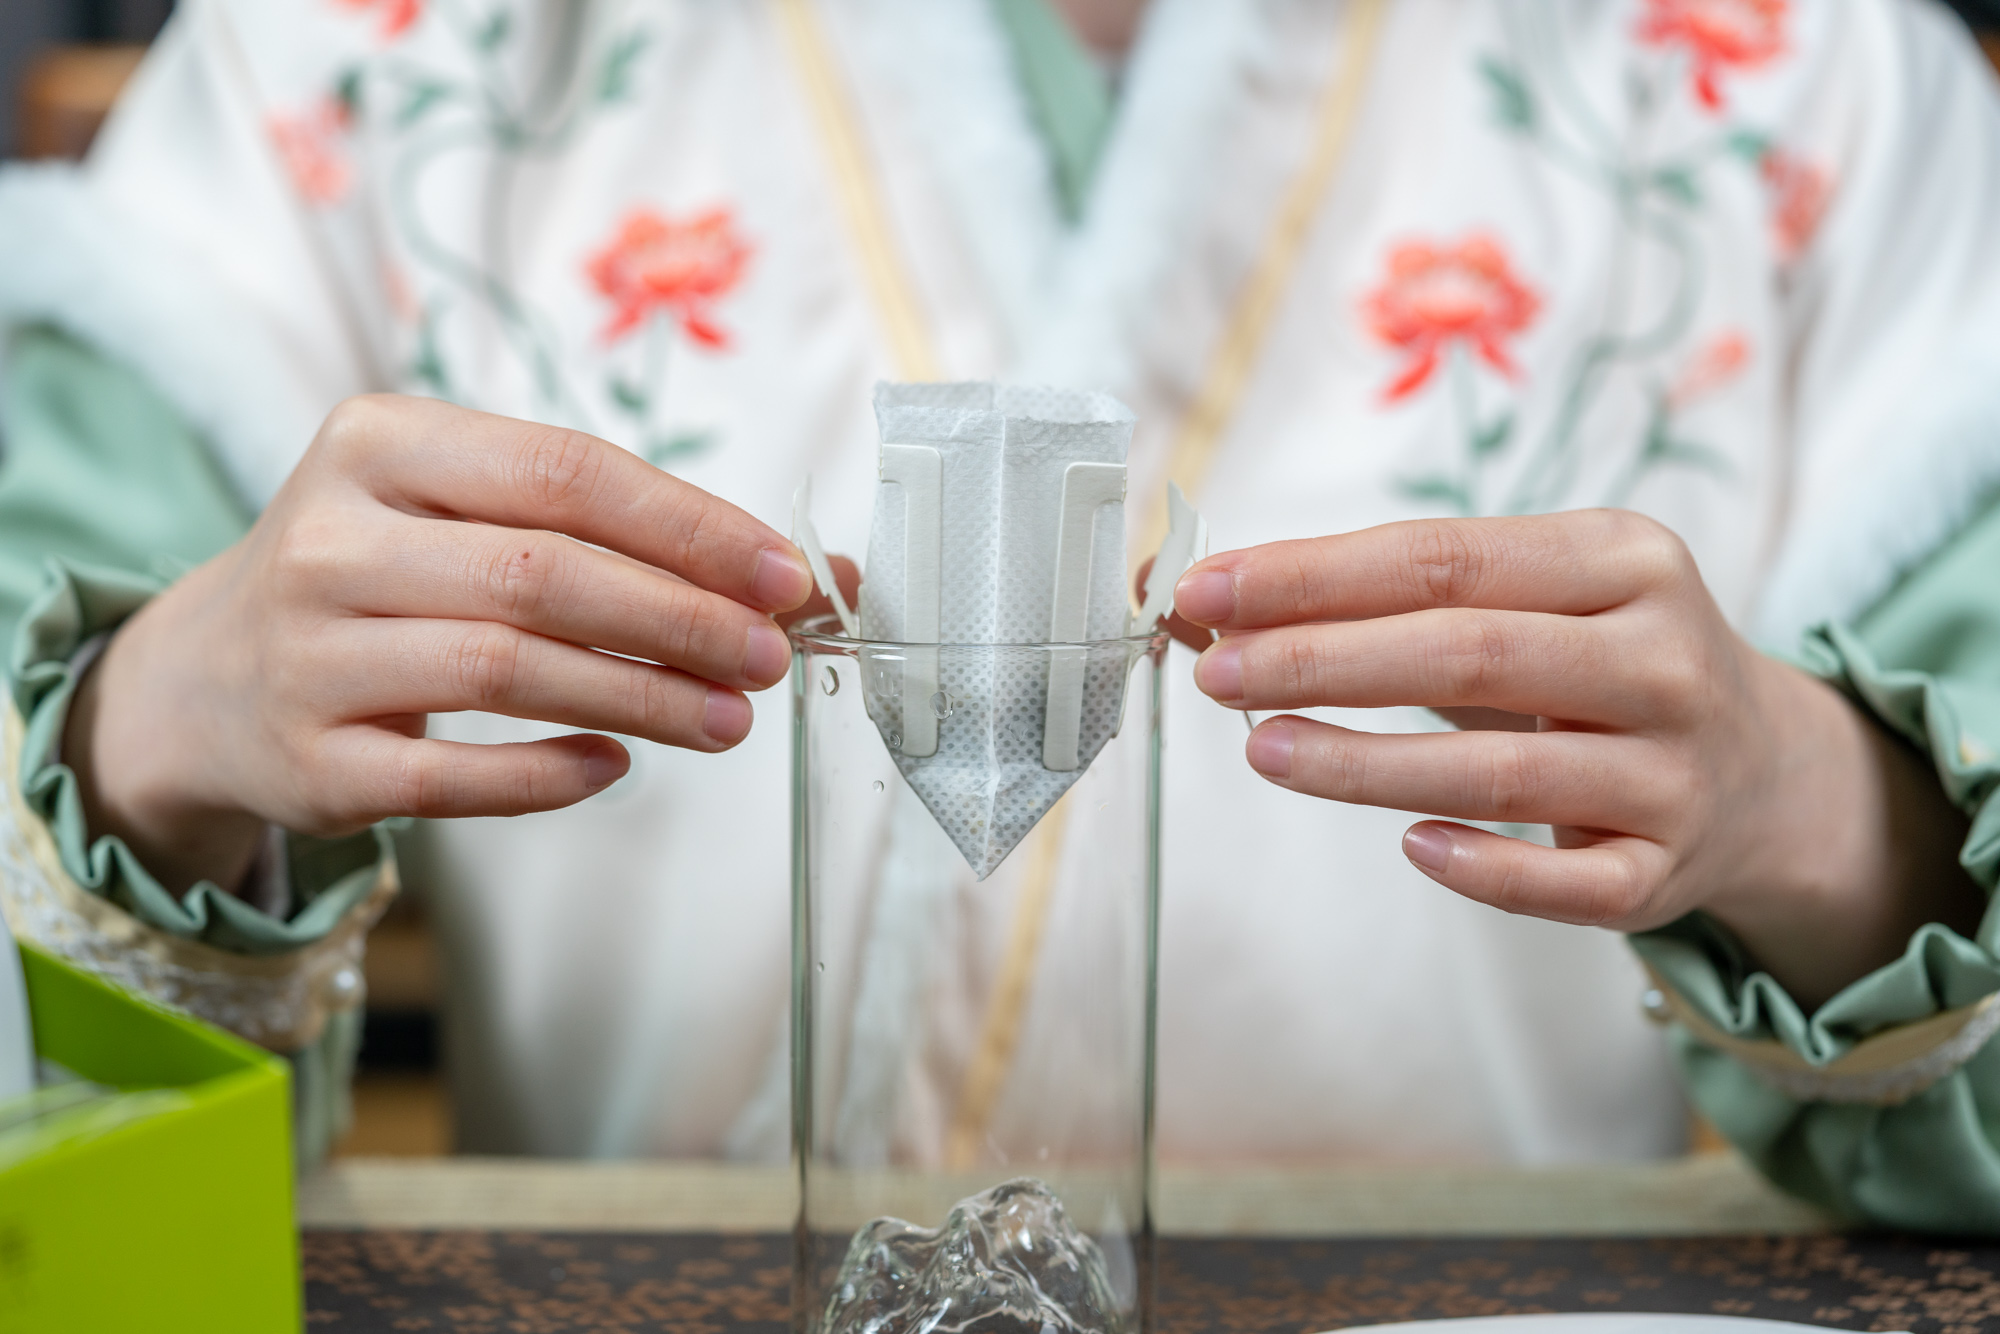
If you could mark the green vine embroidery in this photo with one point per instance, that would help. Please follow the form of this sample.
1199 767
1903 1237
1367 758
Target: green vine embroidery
484 108
1536 98
637 397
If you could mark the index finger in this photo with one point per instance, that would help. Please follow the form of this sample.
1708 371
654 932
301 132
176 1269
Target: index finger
442 459
1574 564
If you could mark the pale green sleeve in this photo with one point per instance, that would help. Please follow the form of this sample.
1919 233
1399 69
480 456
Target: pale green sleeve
105 497
1914 1143
95 468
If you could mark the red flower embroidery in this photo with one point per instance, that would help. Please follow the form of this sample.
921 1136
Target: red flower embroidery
1718 34
1800 193
313 147
1718 362
682 266
396 14
1439 295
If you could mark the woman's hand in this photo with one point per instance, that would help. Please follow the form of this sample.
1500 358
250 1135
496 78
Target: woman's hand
1680 768
424 558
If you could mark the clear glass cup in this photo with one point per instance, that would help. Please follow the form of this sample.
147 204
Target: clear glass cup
972 1059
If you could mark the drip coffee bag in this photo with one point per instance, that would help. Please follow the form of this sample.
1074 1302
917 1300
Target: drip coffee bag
999 523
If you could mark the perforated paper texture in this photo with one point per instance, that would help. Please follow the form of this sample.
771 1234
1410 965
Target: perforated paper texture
967 721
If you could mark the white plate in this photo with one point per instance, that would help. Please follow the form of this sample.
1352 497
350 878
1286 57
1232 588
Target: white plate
1592 1323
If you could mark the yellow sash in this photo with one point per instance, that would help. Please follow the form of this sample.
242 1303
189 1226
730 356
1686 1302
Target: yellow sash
889 286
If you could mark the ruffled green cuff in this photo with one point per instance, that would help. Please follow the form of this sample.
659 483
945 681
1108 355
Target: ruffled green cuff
1876 1104
329 877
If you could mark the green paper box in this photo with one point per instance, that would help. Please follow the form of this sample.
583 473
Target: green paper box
166 1211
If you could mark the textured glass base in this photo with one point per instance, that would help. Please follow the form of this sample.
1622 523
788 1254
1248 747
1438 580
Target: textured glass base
1007 1261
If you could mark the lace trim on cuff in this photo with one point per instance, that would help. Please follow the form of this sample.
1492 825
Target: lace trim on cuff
1888 1068
280 1002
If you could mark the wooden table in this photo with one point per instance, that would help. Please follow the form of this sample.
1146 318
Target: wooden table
497 1246
492 1246
1706 1195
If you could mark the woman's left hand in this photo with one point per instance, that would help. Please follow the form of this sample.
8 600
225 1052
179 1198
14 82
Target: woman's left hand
1680 768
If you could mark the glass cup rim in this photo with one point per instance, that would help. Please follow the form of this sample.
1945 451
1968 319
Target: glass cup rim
808 633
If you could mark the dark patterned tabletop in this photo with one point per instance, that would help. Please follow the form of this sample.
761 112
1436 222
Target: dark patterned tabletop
530 1283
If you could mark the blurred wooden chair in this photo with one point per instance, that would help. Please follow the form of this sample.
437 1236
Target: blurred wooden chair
66 93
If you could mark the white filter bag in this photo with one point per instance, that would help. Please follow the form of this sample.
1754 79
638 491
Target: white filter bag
999 520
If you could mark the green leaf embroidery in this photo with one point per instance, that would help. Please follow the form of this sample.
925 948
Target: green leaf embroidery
347 90
1436 488
1492 437
614 77
427 367
422 97
494 31
678 448
1678 183
1663 451
1513 101
630 397
1750 145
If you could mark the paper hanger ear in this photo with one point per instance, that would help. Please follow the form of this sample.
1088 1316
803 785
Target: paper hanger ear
1186 542
1086 488
806 539
919 470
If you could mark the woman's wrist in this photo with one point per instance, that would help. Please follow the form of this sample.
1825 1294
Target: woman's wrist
117 742
1857 850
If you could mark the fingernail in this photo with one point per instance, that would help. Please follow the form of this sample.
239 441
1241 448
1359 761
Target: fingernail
1207 597
1429 847
768 657
780 580
604 765
726 719
1219 672
1270 750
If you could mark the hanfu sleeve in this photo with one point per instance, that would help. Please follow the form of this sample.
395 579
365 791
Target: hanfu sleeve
186 250
1882 1106
105 496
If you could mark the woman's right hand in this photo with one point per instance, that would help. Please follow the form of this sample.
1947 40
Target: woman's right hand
425 558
